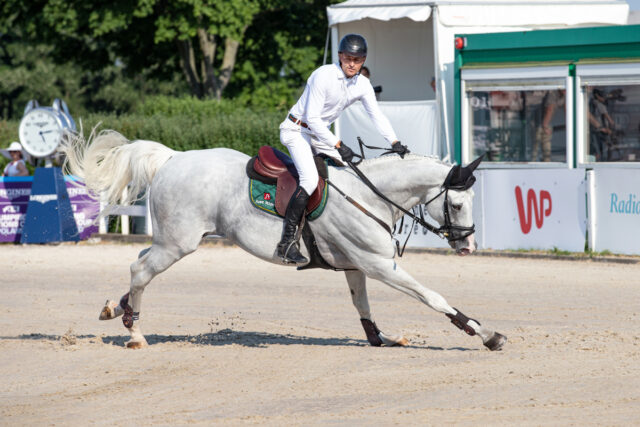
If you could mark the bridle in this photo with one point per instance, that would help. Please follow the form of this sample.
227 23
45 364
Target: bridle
448 228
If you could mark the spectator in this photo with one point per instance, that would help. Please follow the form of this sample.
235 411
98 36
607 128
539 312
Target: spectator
364 71
551 101
16 167
601 126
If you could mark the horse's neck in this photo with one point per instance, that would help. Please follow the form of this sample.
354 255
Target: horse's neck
408 181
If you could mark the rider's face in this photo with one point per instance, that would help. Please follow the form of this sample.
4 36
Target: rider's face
351 65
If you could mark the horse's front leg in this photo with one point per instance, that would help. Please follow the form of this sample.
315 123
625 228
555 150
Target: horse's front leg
387 271
358 289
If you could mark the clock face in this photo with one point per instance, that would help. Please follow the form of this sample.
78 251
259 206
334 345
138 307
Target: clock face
40 132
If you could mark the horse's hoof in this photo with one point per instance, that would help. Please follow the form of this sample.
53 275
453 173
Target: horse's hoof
135 345
496 342
109 310
402 342
393 341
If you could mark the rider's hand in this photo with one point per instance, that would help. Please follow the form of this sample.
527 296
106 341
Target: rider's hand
345 152
400 149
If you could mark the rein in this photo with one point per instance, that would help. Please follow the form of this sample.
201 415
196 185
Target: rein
445 231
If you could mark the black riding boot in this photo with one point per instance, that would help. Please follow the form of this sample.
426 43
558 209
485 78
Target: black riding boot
288 247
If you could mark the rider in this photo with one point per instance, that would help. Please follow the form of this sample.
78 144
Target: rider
305 132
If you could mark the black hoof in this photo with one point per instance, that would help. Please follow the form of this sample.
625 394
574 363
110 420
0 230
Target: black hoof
496 342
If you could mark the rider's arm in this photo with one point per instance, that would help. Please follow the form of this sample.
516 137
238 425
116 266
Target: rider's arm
379 120
317 88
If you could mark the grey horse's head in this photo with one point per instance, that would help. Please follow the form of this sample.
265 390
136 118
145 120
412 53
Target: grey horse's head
454 208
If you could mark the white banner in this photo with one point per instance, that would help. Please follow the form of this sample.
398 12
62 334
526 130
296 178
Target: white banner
532 209
615 206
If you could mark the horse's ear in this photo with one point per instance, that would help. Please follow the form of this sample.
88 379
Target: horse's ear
453 178
473 165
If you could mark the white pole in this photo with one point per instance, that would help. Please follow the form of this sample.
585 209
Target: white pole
581 143
334 59
147 217
124 219
103 223
326 46
591 197
568 102
441 94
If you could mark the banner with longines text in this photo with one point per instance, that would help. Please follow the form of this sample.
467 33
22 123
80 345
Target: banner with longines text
523 209
14 199
615 202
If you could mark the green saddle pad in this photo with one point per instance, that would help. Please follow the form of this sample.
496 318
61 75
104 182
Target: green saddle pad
263 197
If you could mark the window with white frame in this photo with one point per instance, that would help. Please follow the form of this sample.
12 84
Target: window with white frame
516 115
608 103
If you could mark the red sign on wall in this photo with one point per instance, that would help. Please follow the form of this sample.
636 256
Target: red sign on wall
535 207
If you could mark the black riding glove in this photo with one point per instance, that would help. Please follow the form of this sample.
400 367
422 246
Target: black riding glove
400 149
346 153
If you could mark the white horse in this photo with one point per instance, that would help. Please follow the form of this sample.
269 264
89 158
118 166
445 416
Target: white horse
196 193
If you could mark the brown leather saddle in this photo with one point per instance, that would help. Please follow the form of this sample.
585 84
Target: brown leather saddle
272 166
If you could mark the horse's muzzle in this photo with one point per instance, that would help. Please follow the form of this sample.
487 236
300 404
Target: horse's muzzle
466 246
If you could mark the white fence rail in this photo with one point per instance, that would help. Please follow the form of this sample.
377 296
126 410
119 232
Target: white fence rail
126 211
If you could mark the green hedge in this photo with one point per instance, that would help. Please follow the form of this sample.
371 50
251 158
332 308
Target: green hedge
183 124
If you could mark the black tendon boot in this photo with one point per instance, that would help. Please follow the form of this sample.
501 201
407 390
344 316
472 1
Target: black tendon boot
288 246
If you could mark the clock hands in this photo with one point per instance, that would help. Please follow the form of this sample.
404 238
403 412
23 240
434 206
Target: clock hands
41 133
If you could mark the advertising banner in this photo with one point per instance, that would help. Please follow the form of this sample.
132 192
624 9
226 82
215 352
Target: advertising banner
531 209
14 199
614 201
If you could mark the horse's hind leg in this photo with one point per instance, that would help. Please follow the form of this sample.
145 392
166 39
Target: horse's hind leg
151 262
358 288
113 309
387 271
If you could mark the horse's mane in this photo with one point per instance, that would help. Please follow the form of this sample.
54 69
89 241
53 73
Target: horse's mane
411 156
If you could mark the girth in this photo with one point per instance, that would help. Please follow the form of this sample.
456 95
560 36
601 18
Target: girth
272 166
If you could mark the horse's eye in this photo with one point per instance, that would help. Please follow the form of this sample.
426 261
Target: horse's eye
456 207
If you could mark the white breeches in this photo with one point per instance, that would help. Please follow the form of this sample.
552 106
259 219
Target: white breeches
302 147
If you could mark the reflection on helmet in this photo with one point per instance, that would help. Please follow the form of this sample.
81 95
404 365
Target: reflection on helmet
354 45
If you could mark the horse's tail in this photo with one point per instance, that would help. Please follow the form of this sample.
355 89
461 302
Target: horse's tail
109 162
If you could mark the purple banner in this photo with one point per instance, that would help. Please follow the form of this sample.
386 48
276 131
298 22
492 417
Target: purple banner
14 199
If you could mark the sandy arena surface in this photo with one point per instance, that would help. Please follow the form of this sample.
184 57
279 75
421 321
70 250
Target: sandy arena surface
234 340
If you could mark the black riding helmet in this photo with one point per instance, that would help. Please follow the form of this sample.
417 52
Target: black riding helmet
354 45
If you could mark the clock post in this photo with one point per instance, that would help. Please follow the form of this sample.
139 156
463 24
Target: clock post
49 215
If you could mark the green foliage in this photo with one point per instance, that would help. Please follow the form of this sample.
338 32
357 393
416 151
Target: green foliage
556 251
192 124
182 124
111 56
189 106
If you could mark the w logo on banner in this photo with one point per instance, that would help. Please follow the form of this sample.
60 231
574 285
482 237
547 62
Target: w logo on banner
532 204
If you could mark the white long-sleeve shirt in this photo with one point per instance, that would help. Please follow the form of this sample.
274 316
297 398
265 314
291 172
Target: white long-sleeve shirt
328 93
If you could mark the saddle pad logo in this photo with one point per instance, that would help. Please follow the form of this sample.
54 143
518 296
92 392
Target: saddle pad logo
266 196
538 207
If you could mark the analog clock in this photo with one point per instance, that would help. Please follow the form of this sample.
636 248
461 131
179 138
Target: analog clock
41 128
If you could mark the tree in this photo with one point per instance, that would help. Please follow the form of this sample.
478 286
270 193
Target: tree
217 25
205 33
109 55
